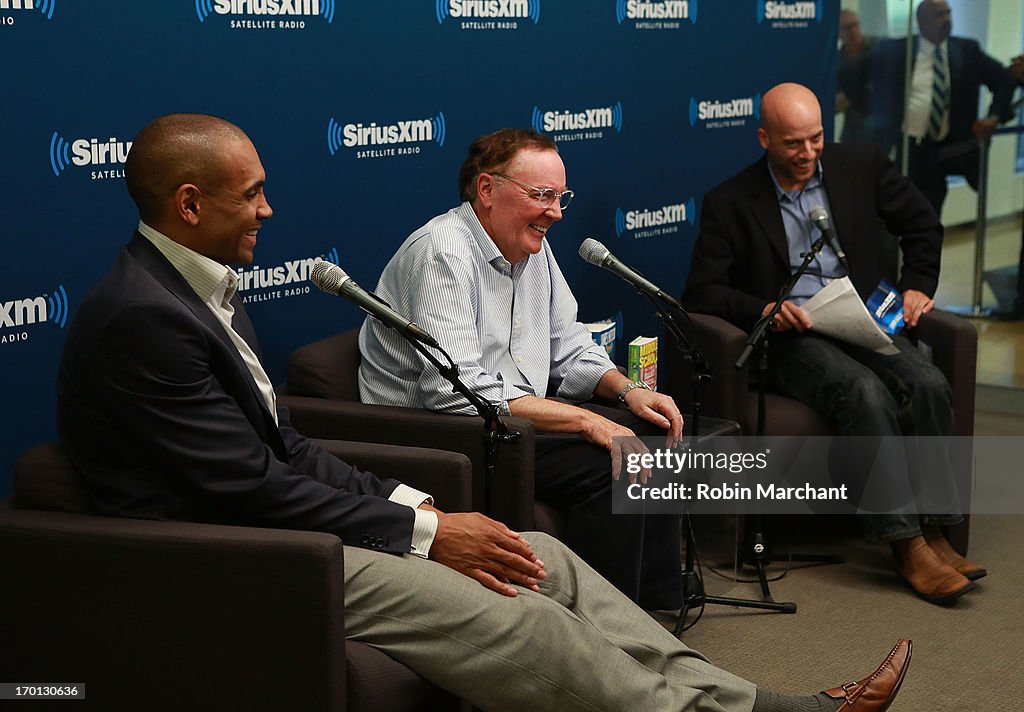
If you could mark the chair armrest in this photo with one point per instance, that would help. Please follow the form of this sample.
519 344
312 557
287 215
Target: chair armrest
722 345
954 345
447 476
507 496
173 615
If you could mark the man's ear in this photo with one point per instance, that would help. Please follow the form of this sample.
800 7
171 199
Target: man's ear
485 189
186 202
762 138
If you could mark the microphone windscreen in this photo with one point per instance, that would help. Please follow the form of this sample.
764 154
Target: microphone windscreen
593 251
818 213
328 276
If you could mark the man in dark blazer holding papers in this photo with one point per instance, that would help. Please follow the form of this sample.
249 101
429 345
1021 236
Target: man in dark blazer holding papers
755 228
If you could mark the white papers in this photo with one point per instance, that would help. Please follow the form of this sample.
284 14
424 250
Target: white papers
837 311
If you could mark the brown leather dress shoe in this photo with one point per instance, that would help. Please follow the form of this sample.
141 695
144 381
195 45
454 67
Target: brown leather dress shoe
877 691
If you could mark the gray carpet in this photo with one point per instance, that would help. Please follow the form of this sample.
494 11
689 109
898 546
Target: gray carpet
849 615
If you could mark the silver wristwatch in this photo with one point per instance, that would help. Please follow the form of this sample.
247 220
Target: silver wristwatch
630 386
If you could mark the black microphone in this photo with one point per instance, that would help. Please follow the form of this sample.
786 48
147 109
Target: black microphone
597 254
332 279
819 216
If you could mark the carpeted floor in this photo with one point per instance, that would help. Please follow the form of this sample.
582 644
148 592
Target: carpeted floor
850 614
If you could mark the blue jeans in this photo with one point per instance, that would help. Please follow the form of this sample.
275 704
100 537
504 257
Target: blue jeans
863 393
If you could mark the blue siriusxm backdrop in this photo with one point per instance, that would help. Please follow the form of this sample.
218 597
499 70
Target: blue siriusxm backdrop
362 112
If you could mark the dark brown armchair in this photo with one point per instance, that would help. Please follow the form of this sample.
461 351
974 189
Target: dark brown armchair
162 615
953 342
322 392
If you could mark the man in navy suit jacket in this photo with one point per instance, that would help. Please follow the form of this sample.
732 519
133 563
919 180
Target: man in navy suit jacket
167 413
952 150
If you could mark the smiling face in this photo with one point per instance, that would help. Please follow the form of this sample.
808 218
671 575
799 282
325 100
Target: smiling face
232 206
792 134
510 213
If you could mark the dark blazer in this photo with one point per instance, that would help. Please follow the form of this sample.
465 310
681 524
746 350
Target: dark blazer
969 68
164 421
741 259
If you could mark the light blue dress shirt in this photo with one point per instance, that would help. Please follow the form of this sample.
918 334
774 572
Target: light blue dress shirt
796 206
511 329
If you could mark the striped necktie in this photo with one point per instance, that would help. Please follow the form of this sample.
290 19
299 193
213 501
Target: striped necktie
940 95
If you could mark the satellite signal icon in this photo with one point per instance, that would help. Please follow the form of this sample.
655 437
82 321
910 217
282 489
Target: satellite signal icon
327 10
332 255
757 106
203 9
58 303
59 153
334 136
617 116
620 222
534 11
538 120
691 211
45 7
440 128
441 10
694 111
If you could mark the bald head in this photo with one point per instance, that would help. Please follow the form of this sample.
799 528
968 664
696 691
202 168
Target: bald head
788 104
791 133
935 20
173 150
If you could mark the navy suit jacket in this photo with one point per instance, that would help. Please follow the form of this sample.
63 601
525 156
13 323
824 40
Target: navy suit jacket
969 68
163 419
741 259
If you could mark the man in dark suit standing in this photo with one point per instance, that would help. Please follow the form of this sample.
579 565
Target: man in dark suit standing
755 229
940 114
167 413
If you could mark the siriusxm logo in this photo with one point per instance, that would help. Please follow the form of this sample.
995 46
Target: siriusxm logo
394 139
267 281
648 223
588 119
45 7
88 152
487 9
51 308
656 10
731 112
285 9
778 12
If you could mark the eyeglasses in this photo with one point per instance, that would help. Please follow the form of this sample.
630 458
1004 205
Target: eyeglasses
543 196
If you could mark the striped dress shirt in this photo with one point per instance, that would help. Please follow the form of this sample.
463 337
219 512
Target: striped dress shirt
511 329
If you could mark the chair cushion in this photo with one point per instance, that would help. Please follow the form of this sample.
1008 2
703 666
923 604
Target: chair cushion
328 368
44 478
376 682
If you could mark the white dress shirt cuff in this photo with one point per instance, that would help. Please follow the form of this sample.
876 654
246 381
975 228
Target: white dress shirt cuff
425 526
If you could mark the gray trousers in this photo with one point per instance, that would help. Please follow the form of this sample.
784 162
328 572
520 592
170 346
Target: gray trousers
579 644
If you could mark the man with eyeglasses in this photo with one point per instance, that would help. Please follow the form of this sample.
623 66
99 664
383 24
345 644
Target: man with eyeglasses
483 280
